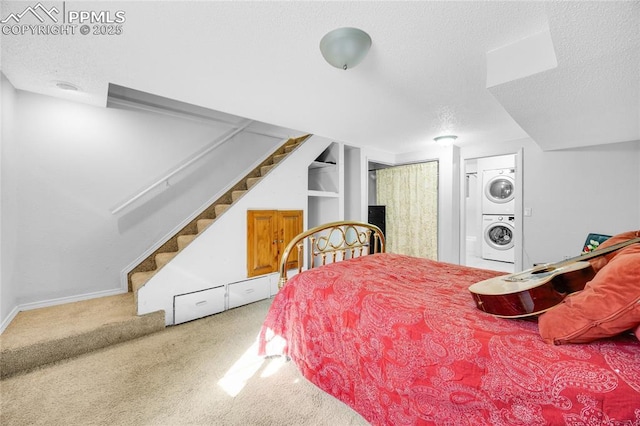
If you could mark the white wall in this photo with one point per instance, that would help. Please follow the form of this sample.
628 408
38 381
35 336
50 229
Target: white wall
473 206
577 191
355 171
8 209
70 164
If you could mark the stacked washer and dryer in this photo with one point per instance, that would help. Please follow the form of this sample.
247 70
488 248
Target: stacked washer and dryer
498 214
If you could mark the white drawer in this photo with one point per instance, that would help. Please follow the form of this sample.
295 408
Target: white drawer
187 307
249 291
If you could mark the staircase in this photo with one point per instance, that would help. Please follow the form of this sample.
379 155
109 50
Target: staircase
43 336
142 273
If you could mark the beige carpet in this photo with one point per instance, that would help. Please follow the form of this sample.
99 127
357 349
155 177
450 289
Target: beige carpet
200 373
45 335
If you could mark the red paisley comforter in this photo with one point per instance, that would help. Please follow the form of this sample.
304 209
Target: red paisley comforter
399 340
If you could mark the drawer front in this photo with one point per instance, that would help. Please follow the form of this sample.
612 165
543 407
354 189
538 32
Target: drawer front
249 291
187 307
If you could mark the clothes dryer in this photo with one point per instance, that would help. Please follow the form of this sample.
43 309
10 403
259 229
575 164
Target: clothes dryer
497 241
498 191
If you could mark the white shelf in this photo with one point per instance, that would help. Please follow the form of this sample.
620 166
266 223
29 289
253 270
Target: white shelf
321 165
324 192
327 194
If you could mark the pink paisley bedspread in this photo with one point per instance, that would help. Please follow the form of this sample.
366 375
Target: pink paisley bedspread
399 340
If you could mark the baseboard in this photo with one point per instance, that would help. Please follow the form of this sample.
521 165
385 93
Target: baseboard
55 302
8 319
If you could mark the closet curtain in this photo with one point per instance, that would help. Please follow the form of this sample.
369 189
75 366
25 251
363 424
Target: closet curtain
410 194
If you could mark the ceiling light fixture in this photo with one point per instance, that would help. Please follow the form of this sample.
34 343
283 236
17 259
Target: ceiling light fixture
446 139
63 85
345 47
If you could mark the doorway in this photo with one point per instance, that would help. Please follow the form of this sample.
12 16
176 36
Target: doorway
409 194
491 229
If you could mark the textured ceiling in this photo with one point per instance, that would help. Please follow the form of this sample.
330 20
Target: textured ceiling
426 73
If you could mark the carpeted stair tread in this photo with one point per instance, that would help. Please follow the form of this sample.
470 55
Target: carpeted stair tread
278 157
184 240
235 195
46 335
140 278
221 208
203 224
265 169
164 258
252 181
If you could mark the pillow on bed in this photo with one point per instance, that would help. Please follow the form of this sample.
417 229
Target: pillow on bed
599 262
637 332
608 305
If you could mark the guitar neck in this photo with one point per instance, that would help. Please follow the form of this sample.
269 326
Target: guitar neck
595 253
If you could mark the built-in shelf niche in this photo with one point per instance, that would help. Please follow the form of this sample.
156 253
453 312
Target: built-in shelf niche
324 173
322 210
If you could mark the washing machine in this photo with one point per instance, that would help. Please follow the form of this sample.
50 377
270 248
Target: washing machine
497 241
499 191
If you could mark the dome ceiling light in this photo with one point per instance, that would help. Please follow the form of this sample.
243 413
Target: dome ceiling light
445 139
345 47
65 85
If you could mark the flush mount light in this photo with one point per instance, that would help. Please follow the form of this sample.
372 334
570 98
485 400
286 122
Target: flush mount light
63 85
345 47
445 139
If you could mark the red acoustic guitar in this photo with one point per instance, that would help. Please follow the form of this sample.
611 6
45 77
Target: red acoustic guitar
533 291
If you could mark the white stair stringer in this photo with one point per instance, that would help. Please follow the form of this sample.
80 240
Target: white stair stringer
218 256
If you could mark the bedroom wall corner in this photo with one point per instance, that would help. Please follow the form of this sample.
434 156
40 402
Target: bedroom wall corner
8 208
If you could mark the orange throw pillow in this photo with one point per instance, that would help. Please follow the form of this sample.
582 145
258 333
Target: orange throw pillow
608 305
599 262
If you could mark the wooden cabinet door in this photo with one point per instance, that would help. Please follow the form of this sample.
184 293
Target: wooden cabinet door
290 226
262 242
268 233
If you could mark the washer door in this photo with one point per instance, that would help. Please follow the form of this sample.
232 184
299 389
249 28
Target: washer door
499 236
500 189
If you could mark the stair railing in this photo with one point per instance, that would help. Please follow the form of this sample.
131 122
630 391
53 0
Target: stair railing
164 180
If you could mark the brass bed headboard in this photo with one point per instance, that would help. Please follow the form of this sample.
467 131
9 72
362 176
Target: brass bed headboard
336 241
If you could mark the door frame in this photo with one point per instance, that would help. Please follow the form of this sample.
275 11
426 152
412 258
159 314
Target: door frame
439 161
519 216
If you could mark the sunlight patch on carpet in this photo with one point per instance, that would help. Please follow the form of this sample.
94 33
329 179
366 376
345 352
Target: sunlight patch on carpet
273 366
241 371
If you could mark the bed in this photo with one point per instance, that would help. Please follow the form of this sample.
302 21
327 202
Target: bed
400 340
